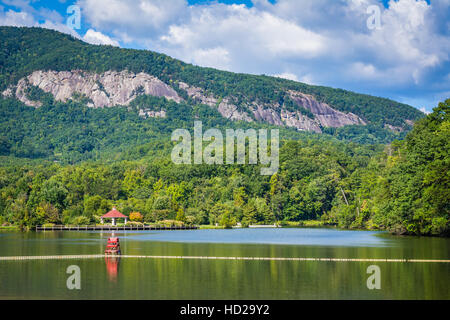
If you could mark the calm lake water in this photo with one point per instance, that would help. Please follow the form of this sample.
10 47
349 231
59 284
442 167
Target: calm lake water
132 278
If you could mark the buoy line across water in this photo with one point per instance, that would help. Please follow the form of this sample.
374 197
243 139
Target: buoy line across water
98 256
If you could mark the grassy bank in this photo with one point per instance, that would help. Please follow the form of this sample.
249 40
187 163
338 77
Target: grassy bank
207 226
10 228
306 223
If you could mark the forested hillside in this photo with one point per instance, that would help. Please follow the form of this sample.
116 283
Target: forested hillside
407 187
25 50
404 188
71 132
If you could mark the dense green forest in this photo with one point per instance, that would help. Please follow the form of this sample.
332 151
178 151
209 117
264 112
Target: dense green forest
71 132
406 188
403 187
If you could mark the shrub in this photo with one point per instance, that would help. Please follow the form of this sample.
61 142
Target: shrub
170 223
134 223
149 217
48 225
160 215
136 216
81 220
190 220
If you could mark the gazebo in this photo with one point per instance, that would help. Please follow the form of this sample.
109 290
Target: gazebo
114 214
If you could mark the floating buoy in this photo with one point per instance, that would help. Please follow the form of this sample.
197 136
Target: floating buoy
113 246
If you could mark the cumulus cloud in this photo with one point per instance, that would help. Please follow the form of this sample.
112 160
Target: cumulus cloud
407 38
133 20
27 16
95 37
250 38
288 76
327 39
215 57
17 19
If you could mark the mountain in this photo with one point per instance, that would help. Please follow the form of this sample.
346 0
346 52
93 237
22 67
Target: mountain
35 62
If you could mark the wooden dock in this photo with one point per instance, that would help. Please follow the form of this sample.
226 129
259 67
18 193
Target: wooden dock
112 228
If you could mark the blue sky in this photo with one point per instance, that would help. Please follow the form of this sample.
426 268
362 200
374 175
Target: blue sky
395 49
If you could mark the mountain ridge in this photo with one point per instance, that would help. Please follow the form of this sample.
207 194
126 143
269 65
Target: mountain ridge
236 96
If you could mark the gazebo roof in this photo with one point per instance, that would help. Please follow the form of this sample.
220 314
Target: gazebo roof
114 214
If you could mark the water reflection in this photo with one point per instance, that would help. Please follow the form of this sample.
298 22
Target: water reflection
225 279
112 267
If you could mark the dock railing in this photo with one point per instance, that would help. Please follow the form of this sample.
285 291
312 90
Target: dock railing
111 227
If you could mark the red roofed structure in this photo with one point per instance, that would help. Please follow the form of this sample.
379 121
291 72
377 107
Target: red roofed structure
114 214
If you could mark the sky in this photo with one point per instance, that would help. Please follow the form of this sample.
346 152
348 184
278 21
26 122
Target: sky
398 49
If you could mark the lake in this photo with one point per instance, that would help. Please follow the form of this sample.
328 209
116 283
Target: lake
134 278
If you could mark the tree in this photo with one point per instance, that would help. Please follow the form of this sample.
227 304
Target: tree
54 193
136 217
250 213
180 215
419 188
95 205
227 220
19 211
5 146
48 213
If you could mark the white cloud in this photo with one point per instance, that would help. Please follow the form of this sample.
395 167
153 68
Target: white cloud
308 79
288 76
363 70
133 20
281 37
250 37
17 19
95 37
314 35
407 36
425 110
29 17
215 57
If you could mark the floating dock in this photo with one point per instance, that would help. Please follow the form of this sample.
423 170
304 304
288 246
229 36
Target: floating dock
111 228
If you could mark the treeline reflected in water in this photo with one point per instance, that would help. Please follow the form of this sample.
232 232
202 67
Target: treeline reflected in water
132 278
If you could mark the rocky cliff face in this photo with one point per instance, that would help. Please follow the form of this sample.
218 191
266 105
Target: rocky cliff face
324 115
226 109
104 90
120 88
268 113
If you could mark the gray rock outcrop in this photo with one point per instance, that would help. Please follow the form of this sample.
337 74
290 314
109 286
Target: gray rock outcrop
224 106
325 115
104 90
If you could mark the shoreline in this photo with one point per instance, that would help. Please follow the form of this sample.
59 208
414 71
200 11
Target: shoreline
284 225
